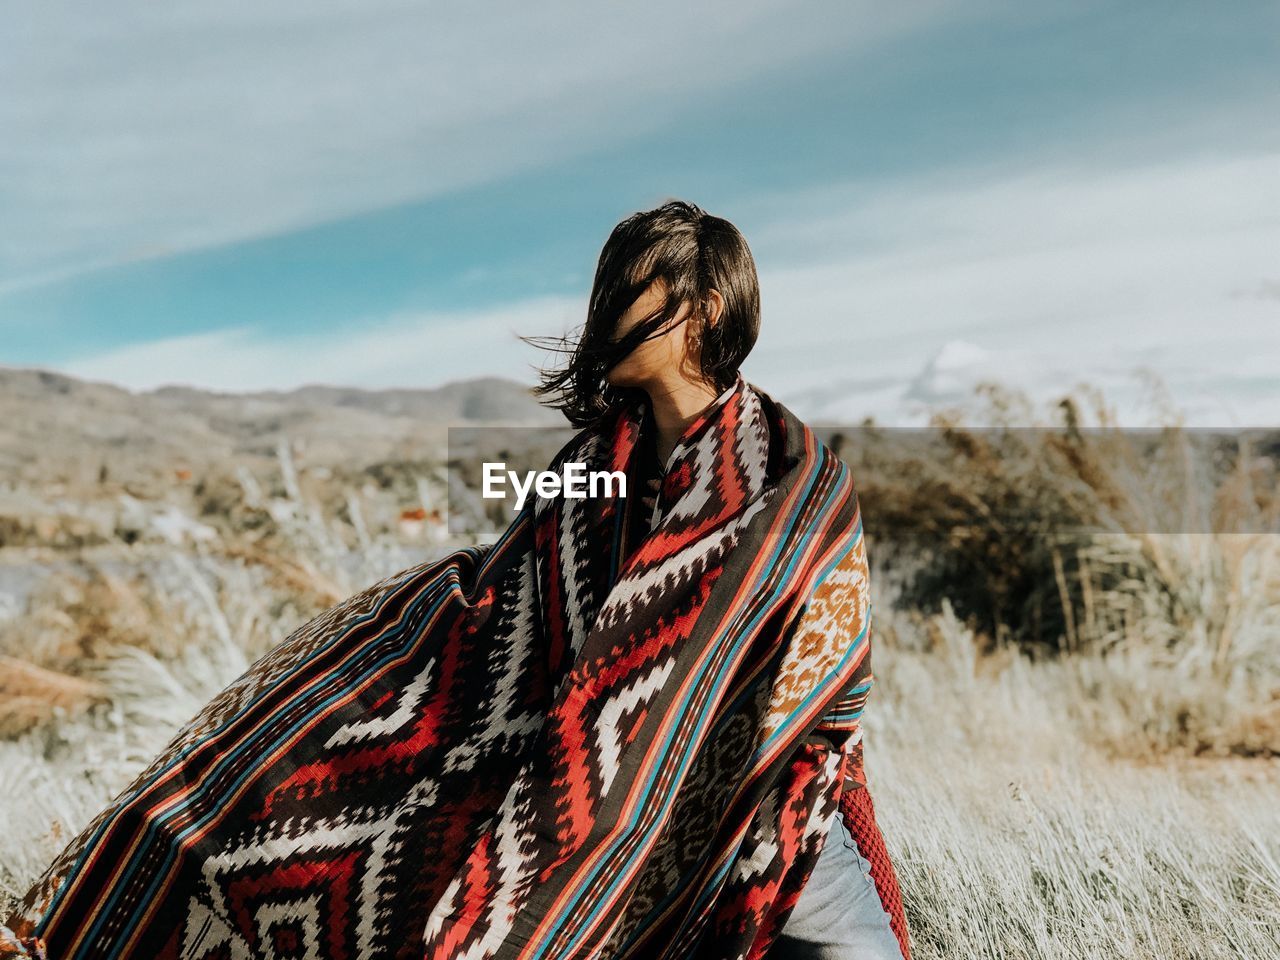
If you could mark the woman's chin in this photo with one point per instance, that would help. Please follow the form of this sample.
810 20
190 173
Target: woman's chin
620 378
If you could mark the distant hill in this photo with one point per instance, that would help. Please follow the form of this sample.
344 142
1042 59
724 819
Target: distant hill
55 427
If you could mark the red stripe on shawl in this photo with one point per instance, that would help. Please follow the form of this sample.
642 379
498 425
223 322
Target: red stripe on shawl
402 751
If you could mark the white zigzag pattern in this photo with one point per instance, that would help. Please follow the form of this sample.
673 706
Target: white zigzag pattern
609 736
410 697
821 816
762 840
574 589
675 569
511 873
508 659
209 928
750 450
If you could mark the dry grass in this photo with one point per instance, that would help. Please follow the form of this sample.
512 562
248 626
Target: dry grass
1159 555
1017 834
31 695
1071 534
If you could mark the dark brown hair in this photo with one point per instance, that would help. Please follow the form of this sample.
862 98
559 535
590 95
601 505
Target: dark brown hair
693 252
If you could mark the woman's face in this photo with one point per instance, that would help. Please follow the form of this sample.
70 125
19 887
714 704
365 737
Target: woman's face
673 352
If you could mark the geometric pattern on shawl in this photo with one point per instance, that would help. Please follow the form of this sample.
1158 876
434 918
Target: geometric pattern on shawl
542 748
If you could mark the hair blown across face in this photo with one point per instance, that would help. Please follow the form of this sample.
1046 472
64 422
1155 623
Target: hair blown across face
693 252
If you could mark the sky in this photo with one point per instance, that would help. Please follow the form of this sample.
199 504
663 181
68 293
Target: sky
246 196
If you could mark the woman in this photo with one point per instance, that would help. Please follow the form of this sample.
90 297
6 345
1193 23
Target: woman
623 730
681 368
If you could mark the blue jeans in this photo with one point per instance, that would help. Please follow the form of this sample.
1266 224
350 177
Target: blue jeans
839 915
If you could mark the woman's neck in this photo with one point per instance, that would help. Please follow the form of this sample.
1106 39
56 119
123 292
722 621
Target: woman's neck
675 406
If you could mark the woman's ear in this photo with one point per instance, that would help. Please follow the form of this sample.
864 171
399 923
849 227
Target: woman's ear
713 308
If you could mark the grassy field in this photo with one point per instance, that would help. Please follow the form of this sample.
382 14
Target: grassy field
1028 819
1074 739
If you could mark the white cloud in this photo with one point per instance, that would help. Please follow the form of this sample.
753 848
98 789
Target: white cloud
1060 274
144 130
412 350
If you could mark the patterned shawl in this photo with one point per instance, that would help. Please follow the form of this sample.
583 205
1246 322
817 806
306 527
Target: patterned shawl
557 746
